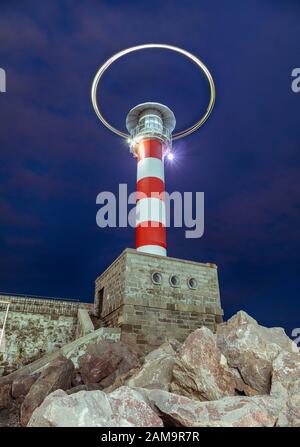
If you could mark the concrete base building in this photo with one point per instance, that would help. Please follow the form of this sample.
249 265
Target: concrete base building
153 298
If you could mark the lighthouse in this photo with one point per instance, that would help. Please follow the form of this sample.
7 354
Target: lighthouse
150 126
149 296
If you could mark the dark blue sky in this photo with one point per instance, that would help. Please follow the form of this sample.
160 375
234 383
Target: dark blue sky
56 157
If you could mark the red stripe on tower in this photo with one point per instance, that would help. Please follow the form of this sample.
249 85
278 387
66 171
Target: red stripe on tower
149 148
150 209
148 185
154 235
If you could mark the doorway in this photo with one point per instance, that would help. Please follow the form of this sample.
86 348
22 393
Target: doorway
99 302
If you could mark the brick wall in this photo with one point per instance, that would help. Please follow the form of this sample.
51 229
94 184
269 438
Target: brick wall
150 313
112 283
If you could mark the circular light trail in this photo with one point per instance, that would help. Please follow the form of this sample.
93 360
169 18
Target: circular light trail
185 53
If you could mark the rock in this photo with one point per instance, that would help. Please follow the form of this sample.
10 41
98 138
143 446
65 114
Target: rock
5 396
286 386
5 380
290 412
157 371
123 408
76 379
252 348
286 371
121 380
10 417
168 348
132 406
82 409
57 375
200 370
240 386
131 359
233 411
99 361
104 361
21 385
89 387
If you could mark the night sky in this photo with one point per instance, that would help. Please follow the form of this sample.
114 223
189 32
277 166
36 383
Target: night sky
56 156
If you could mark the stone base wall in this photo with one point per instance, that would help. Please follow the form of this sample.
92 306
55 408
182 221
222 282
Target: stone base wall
112 319
149 313
149 327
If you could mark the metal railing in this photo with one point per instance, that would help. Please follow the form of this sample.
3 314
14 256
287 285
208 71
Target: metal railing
154 129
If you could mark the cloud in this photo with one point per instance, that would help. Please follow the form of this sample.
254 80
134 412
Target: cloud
12 217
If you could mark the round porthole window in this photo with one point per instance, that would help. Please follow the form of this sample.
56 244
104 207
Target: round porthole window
156 278
192 283
174 281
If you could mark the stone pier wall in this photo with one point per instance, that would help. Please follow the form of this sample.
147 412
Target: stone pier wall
36 326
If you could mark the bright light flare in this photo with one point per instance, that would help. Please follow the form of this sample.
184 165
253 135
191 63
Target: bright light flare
170 156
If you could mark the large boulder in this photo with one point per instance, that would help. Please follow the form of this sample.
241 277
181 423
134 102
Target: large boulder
170 347
200 370
252 348
156 374
57 375
82 409
226 412
157 370
132 406
286 371
22 384
5 396
290 413
104 361
286 386
293 405
123 408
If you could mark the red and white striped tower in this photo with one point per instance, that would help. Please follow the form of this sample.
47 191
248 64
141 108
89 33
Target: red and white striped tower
150 126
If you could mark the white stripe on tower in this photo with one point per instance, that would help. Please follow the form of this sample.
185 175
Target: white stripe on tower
150 167
150 209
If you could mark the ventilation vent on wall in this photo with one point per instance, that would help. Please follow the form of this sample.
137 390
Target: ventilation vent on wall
192 283
174 281
156 278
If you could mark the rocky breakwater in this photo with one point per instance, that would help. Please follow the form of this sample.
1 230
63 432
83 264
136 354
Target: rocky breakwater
245 375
